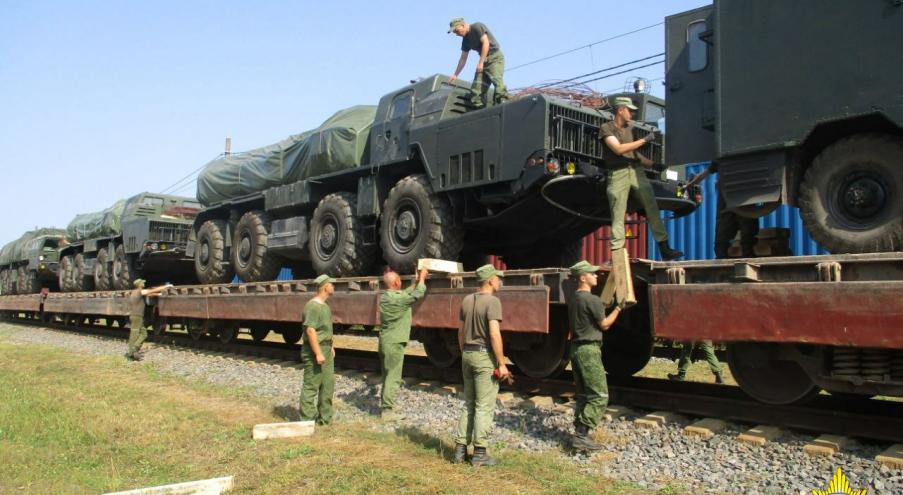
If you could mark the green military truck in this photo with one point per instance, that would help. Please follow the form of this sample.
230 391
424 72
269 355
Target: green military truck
141 237
421 175
31 262
798 103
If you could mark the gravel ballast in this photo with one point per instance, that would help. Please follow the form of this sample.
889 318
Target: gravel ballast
649 457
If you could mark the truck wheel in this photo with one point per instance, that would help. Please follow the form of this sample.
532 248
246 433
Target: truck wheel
4 276
417 223
81 279
851 198
122 269
336 242
65 273
210 263
250 257
30 282
20 280
101 270
554 256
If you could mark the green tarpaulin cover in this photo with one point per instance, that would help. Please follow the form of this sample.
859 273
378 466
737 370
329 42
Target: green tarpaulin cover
98 224
17 250
339 143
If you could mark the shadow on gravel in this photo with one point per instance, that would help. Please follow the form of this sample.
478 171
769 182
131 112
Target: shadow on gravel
535 424
428 441
288 413
363 398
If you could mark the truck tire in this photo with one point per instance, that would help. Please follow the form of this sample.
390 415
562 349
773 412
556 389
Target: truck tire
28 281
554 256
210 263
336 242
4 277
851 198
65 273
250 257
102 279
418 223
21 286
123 271
81 279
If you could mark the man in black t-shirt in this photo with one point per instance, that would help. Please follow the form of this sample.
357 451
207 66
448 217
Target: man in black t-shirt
491 66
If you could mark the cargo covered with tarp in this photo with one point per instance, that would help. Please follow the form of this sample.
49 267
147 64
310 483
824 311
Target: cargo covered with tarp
340 143
104 223
16 251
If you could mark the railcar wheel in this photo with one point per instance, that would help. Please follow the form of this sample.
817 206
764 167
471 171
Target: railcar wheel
541 355
211 264
291 336
336 244
767 376
226 331
441 347
252 260
259 333
418 223
159 326
198 328
628 344
102 280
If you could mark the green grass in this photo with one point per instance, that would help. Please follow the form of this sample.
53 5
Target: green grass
72 423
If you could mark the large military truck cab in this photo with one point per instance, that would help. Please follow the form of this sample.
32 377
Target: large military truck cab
31 262
794 112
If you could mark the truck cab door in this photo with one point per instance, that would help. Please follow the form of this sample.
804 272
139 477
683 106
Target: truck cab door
392 133
690 87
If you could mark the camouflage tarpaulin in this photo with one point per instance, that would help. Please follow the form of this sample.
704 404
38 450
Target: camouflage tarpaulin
98 224
339 143
17 250
4 253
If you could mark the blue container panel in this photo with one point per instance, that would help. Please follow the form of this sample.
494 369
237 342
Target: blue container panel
694 234
284 274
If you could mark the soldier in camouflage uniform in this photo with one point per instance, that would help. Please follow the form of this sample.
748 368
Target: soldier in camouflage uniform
137 331
318 355
490 67
394 333
708 351
587 320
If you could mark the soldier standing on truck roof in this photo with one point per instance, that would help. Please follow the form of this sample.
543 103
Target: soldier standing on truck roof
394 333
482 366
137 331
625 176
587 319
490 67
318 355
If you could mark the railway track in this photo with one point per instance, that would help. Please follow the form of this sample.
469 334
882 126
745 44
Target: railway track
867 419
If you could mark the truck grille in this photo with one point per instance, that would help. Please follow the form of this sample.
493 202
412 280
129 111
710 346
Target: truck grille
176 233
574 135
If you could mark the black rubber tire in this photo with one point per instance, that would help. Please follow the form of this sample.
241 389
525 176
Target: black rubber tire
65 273
412 209
4 277
81 279
102 278
210 262
123 272
336 244
857 165
545 257
31 285
250 257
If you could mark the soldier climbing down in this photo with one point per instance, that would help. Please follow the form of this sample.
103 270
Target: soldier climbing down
137 331
490 67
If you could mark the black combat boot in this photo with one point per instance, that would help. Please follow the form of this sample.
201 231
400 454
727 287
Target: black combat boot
460 453
481 458
582 440
719 378
676 377
669 254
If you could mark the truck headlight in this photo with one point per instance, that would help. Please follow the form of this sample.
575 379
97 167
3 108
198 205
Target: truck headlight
154 246
41 258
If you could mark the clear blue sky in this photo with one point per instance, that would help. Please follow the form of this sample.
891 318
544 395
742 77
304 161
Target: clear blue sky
100 100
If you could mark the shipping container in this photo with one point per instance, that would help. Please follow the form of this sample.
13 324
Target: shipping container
694 234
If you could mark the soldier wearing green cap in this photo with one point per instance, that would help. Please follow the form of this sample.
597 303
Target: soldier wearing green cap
490 67
317 355
394 333
482 366
626 175
587 320
137 331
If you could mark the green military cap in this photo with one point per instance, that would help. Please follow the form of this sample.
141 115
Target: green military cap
583 266
323 279
623 101
486 272
454 22
139 281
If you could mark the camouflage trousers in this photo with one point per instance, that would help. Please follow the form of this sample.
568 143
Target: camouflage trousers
391 359
728 224
591 384
480 391
620 184
708 351
493 70
318 386
137 335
